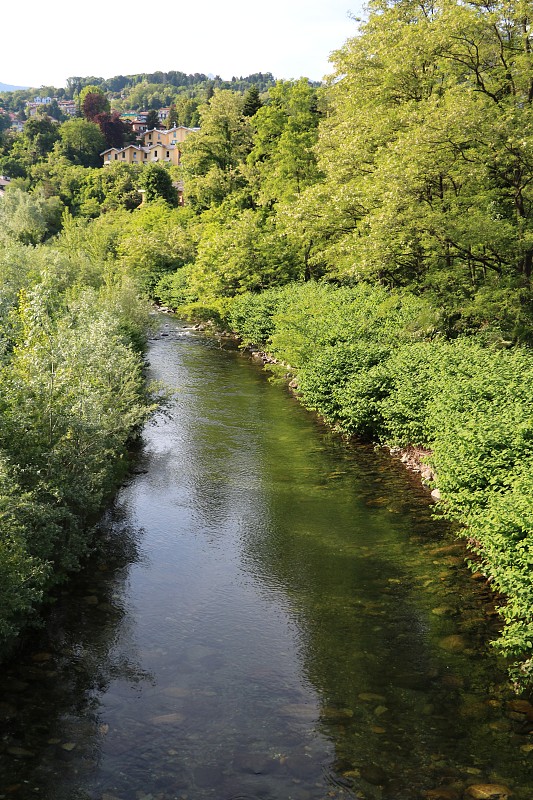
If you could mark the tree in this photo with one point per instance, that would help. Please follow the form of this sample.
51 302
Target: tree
152 120
29 218
93 101
427 151
54 111
172 119
241 252
109 189
40 133
5 122
114 130
187 111
286 132
82 142
157 184
251 102
211 157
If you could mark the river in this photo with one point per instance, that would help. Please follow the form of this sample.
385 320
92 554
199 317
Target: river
271 614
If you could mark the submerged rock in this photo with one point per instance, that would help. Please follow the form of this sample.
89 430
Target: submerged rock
521 707
299 711
488 791
369 697
442 793
374 775
251 763
20 752
454 643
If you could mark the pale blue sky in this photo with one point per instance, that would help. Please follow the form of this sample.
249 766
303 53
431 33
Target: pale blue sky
53 40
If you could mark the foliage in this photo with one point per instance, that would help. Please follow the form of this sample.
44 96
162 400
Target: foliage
153 241
114 130
72 395
211 156
286 131
82 142
93 101
252 253
29 218
427 155
251 101
157 184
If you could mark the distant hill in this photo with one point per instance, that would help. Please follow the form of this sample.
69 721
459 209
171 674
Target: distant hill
5 87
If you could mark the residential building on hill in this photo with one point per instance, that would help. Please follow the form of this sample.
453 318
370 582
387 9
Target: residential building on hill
137 120
138 154
68 107
174 135
158 146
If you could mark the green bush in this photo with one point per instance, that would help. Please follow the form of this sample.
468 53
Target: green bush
72 395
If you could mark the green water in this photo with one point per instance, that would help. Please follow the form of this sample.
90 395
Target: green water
271 614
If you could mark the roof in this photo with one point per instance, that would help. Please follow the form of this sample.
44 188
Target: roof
169 130
145 149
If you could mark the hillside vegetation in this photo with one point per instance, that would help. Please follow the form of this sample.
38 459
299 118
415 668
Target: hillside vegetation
374 233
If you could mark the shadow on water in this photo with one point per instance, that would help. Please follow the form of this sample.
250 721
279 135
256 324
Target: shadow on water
52 730
273 615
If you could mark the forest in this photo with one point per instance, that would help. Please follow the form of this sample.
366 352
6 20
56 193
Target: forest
373 234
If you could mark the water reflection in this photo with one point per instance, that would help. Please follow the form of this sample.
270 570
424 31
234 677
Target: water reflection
52 728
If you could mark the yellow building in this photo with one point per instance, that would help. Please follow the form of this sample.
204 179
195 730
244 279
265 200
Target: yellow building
175 135
158 146
135 154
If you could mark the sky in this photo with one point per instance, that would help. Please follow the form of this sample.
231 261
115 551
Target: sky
51 40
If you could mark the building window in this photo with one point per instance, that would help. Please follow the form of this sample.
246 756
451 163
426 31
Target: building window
116 155
155 154
168 154
123 155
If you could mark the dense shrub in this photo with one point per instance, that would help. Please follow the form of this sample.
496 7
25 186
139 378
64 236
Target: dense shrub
72 395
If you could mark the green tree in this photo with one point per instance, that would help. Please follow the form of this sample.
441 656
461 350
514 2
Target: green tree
172 119
211 157
286 132
426 150
152 120
251 101
5 122
40 135
29 218
157 184
241 252
82 142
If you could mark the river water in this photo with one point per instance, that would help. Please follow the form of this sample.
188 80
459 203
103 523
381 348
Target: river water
271 614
